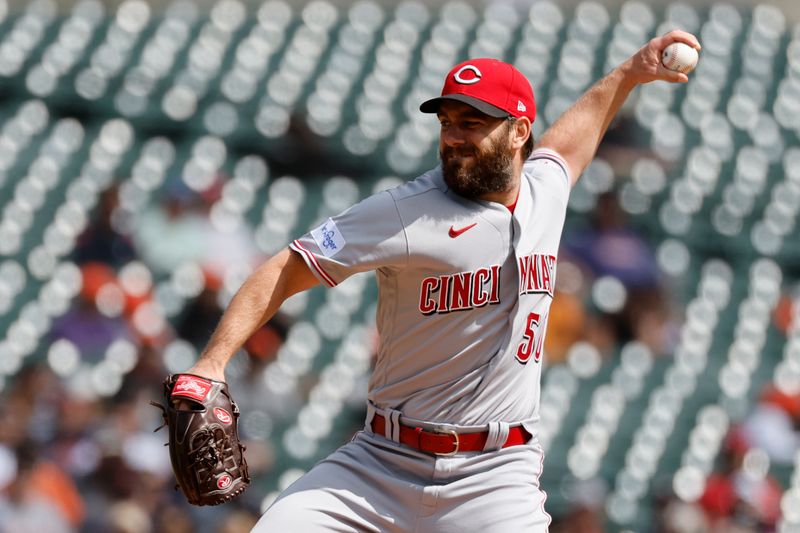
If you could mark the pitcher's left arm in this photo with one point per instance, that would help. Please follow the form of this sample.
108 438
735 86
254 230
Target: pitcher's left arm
577 133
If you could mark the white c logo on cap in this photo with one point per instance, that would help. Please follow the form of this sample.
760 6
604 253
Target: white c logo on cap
474 70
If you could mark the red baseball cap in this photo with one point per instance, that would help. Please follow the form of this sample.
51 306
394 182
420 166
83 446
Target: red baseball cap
490 86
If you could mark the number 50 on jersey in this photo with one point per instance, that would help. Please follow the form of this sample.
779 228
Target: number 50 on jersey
532 339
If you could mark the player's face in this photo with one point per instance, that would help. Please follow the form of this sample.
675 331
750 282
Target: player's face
475 149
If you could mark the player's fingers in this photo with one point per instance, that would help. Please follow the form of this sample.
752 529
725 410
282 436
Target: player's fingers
679 36
671 75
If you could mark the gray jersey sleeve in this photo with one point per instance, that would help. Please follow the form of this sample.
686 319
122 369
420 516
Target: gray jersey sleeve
367 236
547 168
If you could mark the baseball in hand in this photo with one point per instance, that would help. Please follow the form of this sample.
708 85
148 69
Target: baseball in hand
679 57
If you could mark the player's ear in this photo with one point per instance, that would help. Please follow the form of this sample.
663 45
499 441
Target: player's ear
520 131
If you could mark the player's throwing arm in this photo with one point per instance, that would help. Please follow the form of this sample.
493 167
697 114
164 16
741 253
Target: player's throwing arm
578 132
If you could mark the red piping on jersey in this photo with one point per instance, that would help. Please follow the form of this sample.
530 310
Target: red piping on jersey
313 261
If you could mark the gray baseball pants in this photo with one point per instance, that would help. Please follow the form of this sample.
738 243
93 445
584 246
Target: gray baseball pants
375 485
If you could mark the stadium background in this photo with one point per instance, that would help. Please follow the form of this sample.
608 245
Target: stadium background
152 153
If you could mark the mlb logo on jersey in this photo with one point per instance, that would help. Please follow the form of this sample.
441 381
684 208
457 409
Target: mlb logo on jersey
328 238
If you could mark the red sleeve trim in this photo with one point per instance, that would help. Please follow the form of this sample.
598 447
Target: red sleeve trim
312 262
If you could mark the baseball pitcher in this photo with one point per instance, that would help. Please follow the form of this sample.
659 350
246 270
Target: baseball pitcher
465 258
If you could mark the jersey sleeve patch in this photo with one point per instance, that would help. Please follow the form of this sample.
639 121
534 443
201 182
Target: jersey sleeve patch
328 238
312 263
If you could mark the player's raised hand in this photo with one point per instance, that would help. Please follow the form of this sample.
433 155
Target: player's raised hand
645 65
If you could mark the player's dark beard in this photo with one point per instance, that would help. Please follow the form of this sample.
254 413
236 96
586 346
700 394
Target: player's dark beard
490 171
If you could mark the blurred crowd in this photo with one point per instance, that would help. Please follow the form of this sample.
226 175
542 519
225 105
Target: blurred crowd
740 495
606 247
76 457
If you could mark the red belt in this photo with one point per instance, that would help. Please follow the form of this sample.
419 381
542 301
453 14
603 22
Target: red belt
447 442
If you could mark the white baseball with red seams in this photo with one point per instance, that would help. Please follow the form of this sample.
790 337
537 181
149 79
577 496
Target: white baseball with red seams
679 57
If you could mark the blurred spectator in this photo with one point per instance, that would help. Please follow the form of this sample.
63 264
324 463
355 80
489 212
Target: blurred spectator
179 230
786 316
128 517
100 242
172 232
173 519
199 317
682 517
39 498
740 496
84 325
238 522
610 247
774 426
73 445
568 318
565 326
586 503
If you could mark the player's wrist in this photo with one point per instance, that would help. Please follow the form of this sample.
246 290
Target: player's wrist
208 367
626 75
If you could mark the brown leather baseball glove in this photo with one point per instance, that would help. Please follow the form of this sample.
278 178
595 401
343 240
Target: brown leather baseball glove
207 457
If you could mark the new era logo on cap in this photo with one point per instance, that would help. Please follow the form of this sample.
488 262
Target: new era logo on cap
489 85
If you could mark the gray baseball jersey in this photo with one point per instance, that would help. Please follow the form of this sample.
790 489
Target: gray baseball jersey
465 288
464 292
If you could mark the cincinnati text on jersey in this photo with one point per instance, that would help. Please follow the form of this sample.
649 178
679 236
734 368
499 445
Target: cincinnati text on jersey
471 289
537 274
461 291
